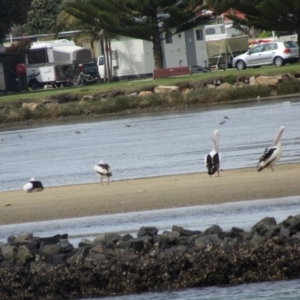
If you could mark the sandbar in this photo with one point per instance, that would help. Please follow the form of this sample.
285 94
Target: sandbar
149 194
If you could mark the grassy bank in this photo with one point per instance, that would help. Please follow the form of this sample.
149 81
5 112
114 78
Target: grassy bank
122 96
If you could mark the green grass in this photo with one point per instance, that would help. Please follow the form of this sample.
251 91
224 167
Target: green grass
131 85
64 102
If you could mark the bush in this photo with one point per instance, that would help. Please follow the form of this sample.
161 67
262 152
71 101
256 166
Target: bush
245 92
288 87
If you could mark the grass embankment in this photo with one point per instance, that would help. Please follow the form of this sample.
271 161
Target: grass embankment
118 97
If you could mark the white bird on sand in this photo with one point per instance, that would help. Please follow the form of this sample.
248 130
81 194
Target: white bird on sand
103 170
213 158
33 186
271 154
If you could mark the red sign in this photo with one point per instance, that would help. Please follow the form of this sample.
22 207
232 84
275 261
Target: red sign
21 69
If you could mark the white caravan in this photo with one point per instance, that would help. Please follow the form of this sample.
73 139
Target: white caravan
131 58
51 62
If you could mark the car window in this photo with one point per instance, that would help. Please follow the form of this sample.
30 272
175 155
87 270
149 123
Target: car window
257 49
271 47
290 44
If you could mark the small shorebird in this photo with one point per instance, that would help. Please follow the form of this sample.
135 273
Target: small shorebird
33 186
224 120
271 154
213 158
103 170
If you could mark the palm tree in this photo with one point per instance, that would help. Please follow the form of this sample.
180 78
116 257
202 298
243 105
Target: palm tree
146 20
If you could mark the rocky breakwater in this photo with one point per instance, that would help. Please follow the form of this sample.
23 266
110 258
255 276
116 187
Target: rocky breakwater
112 264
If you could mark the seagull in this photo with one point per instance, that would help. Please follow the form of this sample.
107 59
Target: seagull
33 186
258 99
19 136
271 154
222 122
213 159
225 117
103 170
77 131
128 125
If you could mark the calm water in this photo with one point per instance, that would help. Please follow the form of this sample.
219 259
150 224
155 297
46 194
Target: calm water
150 145
153 144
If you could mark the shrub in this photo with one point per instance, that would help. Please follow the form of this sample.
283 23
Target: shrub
245 92
288 87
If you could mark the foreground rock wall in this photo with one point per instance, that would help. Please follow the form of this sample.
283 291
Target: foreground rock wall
51 268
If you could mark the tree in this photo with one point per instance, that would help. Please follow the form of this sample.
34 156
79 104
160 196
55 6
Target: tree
273 15
42 16
146 20
12 12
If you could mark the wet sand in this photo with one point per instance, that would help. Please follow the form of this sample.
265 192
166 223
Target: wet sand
150 193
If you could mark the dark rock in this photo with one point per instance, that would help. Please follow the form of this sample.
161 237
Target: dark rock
168 237
257 240
24 255
215 229
182 231
263 225
52 240
147 231
49 251
65 246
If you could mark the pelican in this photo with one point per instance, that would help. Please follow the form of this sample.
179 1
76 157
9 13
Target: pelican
103 170
33 186
213 158
271 154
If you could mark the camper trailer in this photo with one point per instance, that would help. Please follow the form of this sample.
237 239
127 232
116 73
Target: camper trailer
52 62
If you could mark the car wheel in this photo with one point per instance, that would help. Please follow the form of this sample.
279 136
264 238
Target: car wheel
35 85
240 65
278 61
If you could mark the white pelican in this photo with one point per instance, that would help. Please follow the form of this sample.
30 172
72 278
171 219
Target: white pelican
271 154
33 186
103 170
213 158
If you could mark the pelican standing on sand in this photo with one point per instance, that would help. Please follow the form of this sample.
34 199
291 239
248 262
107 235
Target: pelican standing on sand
271 154
103 170
33 186
213 158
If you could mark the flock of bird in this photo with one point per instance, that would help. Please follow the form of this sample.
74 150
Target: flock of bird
270 156
212 162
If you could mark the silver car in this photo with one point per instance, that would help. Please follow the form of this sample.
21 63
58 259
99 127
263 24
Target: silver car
277 53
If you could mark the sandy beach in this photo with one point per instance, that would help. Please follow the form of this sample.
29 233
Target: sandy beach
149 193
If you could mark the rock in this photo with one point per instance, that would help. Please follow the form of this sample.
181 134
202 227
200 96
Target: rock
24 255
147 231
9 252
215 229
263 225
270 81
145 93
224 85
49 251
165 89
182 231
116 264
257 240
30 106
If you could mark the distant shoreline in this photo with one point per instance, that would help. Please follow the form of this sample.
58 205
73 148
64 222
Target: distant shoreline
82 200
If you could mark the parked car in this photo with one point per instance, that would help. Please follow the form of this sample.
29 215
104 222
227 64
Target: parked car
277 53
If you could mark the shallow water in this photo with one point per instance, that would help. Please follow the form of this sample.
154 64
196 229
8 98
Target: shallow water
154 144
278 290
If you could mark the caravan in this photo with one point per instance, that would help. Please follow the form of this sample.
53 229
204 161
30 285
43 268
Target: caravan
52 62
